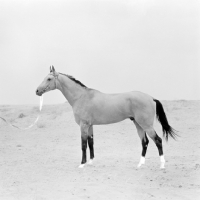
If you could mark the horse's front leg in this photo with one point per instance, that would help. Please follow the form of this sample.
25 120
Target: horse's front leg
91 144
84 138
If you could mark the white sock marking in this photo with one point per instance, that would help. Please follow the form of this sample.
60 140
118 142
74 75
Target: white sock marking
142 161
81 166
90 162
162 160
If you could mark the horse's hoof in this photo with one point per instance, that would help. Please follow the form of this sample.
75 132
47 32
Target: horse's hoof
139 165
81 166
90 162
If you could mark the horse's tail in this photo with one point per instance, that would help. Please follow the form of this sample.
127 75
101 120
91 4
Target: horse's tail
161 116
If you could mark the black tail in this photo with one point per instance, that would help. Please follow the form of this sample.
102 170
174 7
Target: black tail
167 129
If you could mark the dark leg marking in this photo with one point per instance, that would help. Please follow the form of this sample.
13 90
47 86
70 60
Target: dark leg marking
84 148
158 142
145 143
90 144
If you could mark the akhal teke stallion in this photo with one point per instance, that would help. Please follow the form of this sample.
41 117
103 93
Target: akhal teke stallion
92 107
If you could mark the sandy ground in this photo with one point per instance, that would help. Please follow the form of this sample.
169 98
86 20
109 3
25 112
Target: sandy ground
42 163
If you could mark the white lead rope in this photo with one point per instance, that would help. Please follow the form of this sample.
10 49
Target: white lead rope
41 103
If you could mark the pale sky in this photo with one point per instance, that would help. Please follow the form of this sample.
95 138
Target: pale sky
113 46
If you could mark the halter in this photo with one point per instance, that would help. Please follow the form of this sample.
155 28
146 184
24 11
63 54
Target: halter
56 78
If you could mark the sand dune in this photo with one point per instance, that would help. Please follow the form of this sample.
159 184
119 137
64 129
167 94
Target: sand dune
42 163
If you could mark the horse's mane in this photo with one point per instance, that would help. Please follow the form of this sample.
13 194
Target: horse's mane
73 79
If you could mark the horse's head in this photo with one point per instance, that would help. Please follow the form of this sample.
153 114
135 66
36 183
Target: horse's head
49 82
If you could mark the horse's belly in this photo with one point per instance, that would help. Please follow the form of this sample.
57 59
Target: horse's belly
110 113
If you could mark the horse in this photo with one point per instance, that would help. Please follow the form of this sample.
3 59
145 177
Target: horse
92 107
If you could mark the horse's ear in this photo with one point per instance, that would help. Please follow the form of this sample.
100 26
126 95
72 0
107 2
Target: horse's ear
50 69
53 69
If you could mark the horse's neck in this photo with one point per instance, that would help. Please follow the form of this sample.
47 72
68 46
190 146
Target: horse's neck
70 89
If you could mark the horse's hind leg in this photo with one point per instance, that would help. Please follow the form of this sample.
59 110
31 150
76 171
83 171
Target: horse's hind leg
144 141
91 144
158 141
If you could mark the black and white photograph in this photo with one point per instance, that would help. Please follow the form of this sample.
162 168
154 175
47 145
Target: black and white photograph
99 100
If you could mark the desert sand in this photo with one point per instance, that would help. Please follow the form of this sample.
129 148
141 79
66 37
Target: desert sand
42 163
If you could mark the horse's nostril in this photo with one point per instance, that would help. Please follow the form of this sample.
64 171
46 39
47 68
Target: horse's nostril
37 91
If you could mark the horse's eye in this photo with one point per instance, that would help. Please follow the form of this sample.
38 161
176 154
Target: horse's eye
48 79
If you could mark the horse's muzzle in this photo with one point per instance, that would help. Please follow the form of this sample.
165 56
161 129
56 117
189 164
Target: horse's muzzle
39 93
